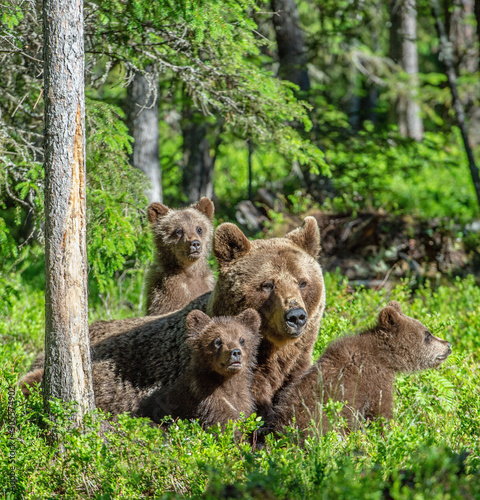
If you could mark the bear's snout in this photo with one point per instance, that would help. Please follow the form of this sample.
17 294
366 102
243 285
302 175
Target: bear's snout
195 247
236 355
296 320
234 362
448 351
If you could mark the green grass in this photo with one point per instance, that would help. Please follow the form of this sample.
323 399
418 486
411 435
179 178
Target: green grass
419 455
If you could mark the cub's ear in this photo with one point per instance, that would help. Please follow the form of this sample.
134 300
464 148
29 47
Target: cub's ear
389 318
155 211
196 323
396 305
251 319
307 236
229 243
206 206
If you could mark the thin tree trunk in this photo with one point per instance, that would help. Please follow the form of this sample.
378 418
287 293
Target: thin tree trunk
197 176
67 349
463 37
477 18
142 118
250 169
446 55
290 43
292 56
403 49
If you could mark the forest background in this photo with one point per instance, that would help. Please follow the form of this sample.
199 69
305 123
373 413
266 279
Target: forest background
340 109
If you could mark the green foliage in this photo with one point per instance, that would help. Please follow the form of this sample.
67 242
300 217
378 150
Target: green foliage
116 201
211 48
429 450
384 171
8 246
11 16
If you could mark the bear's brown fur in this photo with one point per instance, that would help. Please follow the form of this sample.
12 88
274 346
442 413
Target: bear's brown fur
215 386
34 376
360 370
279 277
183 240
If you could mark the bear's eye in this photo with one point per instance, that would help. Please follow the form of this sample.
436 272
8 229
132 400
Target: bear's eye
242 342
199 230
302 284
268 286
217 343
428 336
179 232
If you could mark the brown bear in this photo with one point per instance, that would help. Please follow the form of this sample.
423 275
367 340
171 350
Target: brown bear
278 277
183 240
359 371
215 385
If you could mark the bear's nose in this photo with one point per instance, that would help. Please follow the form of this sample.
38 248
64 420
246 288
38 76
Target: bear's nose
296 318
195 245
236 354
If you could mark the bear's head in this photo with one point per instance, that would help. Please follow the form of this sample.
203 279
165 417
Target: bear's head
184 235
409 344
225 345
279 277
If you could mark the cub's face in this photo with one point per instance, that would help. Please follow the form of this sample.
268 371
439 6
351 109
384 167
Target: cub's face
225 345
279 277
185 234
412 342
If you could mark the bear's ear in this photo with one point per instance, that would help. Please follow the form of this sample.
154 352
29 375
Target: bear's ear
196 323
156 210
389 318
395 305
307 236
229 243
251 319
206 206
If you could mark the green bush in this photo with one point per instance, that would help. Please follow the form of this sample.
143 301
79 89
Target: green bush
381 170
429 450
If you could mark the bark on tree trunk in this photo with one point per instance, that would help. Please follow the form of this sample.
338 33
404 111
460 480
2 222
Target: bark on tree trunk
446 55
142 118
290 43
197 177
464 40
477 18
403 49
68 374
293 67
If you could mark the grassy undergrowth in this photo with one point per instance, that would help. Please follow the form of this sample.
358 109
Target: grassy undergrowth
431 449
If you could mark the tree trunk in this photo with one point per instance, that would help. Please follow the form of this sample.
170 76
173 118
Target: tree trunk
68 374
142 118
293 67
290 43
197 177
403 49
463 37
446 55
477 18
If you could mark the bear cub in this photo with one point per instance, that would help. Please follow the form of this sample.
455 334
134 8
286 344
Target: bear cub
360 370
215 387
183 240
